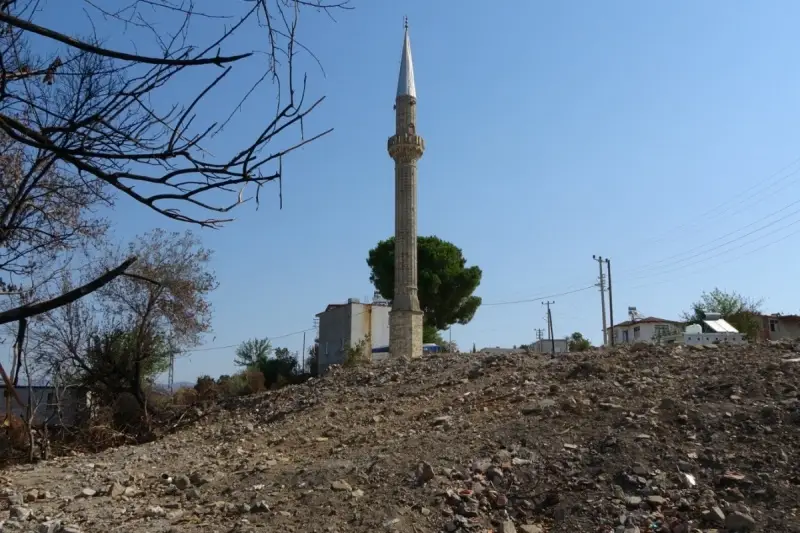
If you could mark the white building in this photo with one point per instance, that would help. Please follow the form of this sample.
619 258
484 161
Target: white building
644 329
66 407
546 346
342 326
713 330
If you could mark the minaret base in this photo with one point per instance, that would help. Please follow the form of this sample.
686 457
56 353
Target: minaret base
405 333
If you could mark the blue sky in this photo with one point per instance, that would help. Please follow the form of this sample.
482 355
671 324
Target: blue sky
662 135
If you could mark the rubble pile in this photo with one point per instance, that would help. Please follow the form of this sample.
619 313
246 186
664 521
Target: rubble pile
630 440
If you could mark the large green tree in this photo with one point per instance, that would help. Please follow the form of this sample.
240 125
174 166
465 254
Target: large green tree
446 284
739 311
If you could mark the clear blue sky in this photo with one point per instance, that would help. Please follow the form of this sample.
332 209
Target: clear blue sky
554 131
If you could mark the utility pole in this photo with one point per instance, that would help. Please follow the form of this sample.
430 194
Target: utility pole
610 303
602 286
539 338
303 368
171 375
550 326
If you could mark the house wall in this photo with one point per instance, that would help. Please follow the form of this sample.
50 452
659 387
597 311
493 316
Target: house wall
785 328
546 346
74 405
647 331
341 326
713 338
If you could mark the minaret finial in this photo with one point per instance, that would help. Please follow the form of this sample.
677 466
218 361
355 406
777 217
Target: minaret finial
405 85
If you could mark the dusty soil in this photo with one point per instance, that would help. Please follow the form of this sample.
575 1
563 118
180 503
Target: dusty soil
637 440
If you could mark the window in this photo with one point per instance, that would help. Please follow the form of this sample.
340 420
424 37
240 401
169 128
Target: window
662 331
773 325
636 332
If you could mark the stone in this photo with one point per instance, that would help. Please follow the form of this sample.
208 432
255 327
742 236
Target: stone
116 490
442 421
259 507
31 496
198 479
633 501
508 527
716 515
155 511
50 526
88 493
182 482
738 521
341 486
425 472
531 528
19 512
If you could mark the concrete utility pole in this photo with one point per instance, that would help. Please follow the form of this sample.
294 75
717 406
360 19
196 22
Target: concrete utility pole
610 304
550 326
405 147
602 286
303 368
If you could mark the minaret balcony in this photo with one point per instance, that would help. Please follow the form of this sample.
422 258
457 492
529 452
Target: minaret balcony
406 144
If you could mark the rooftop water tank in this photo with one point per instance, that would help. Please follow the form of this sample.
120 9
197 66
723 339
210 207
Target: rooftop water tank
694 329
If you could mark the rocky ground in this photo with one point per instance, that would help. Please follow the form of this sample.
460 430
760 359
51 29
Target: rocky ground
670 440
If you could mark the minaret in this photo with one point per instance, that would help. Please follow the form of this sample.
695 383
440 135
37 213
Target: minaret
405 147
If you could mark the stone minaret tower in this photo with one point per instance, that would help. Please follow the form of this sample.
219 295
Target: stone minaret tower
405 147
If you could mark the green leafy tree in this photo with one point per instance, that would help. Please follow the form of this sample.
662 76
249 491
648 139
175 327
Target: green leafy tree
119 361
578 343
445 283
739 311
312 360
431 335
253 352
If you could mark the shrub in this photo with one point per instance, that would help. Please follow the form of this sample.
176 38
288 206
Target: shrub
357 354
206 388
254 381
186 397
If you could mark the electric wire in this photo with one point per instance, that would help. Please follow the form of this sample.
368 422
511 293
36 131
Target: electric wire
722 245
714 212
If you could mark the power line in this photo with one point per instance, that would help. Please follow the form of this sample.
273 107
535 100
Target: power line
705 248
749 252
540 298
761 185
213 348
723 252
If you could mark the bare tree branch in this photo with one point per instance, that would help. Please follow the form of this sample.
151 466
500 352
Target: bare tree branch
75 43
27 311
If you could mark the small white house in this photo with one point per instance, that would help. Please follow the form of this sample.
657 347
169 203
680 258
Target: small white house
645 329
713 330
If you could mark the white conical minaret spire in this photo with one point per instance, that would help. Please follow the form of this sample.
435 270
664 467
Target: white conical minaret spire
405 83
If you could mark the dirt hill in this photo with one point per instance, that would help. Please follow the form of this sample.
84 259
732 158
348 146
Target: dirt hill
637 440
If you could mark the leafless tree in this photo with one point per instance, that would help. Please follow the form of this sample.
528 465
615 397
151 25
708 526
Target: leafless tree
159 306
109 118
82 123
